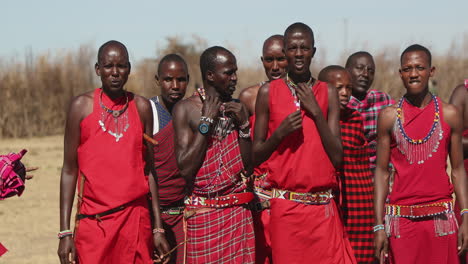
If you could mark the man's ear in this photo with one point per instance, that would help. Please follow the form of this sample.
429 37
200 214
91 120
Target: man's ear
96 68
188 77
209 75
129 67
432 71
314 49
261 58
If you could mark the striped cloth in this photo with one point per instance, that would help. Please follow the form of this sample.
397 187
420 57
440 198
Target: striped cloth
356 186
221 235
12 175
171 184
369 109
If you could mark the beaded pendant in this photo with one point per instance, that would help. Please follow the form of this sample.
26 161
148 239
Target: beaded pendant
292 87
116 120
420 149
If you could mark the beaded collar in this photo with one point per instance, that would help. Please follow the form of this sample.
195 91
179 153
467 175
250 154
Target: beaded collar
115 113
420 149
292 87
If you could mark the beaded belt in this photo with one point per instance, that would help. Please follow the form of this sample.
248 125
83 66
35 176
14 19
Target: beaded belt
220 201
417 211
178 210
316 198
262 193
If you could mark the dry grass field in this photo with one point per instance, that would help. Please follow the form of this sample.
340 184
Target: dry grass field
29 224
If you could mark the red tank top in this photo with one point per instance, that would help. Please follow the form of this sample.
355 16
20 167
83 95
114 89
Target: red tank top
300 162
114 171
427 182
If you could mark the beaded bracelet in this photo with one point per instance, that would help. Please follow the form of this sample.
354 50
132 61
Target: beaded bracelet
463 211
64 233
159 230
378 227
245 125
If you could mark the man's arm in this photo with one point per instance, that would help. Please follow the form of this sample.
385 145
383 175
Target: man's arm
190 144
329 131
459 98
248 97
454 119
68 178
146 116
384 128
262 147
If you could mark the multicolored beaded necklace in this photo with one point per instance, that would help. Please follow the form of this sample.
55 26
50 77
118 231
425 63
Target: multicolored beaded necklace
292 87
120 119
418 150
224 124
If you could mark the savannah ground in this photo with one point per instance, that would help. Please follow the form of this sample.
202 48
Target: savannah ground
29 224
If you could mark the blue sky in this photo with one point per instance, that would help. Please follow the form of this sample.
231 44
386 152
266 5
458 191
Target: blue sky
49 25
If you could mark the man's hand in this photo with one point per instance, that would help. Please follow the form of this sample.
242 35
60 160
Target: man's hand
28 169
210 107
162 248
307 98
381 244
237 111
67 251
290 124
463 237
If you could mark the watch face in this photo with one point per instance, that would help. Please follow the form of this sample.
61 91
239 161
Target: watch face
203 128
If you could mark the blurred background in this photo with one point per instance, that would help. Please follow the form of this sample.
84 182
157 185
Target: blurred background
48 50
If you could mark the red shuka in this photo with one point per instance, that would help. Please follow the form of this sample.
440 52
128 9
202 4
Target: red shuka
300 162
114 176
303 233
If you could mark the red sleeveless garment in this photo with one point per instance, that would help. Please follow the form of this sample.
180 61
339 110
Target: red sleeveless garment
416 184
114 176
300 162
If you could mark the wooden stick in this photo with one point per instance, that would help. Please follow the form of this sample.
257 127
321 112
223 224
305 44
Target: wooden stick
150 139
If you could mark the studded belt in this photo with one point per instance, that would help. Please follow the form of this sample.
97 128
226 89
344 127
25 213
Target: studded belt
220 201
418 211
316 198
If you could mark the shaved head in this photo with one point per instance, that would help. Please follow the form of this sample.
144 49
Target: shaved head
172 58
352 57
326 74
209 58
275 39
299 27
108 44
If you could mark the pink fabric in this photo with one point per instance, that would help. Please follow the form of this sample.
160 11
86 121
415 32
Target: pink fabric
11 168
3 250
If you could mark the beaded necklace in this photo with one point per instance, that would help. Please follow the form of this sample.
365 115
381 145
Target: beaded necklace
418 150
292 87
119 121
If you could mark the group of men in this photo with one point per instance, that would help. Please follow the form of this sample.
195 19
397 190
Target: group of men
284 174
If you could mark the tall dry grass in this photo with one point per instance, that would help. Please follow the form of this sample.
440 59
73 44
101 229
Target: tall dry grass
35 92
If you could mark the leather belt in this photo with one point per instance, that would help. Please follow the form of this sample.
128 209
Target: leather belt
98 216
317 198
418 211
220 201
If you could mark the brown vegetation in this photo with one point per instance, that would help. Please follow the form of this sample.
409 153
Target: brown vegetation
36 92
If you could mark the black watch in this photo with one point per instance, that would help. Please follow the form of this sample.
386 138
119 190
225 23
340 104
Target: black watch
204 128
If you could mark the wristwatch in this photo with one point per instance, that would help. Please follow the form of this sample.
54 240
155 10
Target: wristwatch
204 128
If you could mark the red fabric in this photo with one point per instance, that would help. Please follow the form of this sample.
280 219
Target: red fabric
122 237
299 163
419 244
12 174
308 234
421 183
3 250
174 226
356 192
171 184
114 175
221 236
263 253
220 171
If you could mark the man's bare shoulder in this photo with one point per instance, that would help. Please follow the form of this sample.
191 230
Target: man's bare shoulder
249 92
141 102
82 101
388 114
264 89
451 114
188 104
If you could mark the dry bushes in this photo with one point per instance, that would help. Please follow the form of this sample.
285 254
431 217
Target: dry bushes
35 92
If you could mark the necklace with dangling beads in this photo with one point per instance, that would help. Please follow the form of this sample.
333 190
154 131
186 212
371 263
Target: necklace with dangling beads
120 119
292 87
421 149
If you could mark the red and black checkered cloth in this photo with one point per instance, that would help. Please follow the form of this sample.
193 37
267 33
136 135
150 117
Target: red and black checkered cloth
356 186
